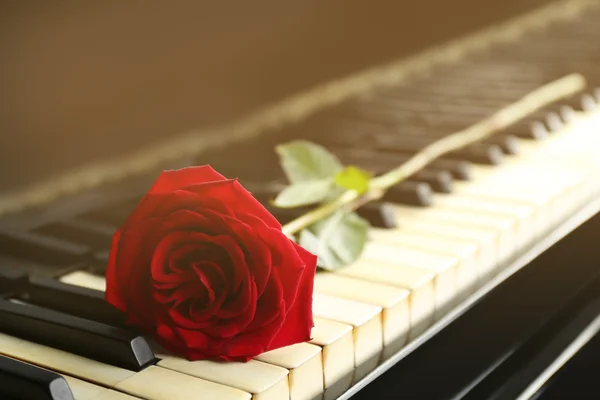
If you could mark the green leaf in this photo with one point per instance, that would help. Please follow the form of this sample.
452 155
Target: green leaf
304 193
337 241
353 178
303 161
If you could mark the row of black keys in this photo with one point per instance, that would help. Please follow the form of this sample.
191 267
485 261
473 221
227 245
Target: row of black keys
65 241
379 144
74 319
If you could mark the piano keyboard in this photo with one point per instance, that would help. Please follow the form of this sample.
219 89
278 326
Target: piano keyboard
437 241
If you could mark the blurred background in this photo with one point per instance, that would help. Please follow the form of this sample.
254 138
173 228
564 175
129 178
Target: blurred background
84 81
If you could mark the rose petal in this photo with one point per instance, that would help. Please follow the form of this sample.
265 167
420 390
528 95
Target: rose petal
132 272
268 305
166 269
285 259
113 293
256 251
240 312
255 342
192 338
299 320
237 198
172 180
168 339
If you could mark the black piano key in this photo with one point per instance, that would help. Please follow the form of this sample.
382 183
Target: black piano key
113 214
22 381
76 335
460 169
564 111
480 153
11 279
99 262
439 180
379 214
589 102
73 300
410 193
42 249
535 130
508 143
573 102
93 234
553 122
381 162
582 102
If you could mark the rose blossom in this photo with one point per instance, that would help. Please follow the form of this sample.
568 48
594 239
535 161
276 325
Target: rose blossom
205 269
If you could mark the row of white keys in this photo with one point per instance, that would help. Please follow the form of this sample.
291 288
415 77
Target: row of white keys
263 381
421 284
466 253
337 342
301 370
445 269
393 301
524 205
497 217
367 328
322 367
505 227
556 174
153 383
552 190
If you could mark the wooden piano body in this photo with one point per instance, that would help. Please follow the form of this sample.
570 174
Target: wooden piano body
481 276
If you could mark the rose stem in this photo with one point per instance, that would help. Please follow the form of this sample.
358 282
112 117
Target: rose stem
502 119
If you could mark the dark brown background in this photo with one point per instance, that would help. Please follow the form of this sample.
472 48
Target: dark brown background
85 80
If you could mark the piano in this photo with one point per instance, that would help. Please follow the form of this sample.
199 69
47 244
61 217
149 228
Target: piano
480 280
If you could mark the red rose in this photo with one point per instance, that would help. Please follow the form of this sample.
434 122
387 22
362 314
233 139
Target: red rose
205 269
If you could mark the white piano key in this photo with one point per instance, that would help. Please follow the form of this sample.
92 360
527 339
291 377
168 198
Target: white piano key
156 383
63 362
543 201
467 252
560 184
576 144
263 381
305 363
337 348
85 279
505 227
546 185
393 301
114 395
364 348
526 215
148 383
421 283
445 268
367 328
486 239
83 390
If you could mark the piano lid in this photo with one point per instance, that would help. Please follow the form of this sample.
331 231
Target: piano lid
83 82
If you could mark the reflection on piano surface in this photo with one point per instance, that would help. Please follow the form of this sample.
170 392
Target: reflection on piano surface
458 293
